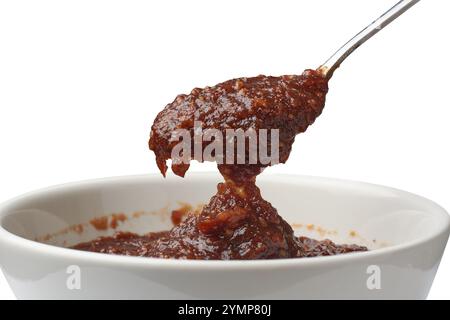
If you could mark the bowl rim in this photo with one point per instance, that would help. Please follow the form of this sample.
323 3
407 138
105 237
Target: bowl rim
13 240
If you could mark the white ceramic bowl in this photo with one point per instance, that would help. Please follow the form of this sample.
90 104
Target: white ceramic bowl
407 235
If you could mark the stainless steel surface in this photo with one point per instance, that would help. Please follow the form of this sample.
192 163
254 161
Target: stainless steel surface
340 55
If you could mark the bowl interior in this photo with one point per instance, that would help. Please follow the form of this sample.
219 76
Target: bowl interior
345 212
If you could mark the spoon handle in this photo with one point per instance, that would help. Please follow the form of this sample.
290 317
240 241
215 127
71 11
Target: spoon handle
340 55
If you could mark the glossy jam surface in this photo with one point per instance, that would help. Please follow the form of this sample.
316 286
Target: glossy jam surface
255 238
237 223
287 103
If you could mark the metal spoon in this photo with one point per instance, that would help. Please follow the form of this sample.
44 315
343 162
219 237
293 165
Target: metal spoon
340 55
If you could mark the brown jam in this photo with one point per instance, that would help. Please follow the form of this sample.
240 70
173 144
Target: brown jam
237 223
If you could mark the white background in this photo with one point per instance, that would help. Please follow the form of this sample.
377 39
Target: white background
81 82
